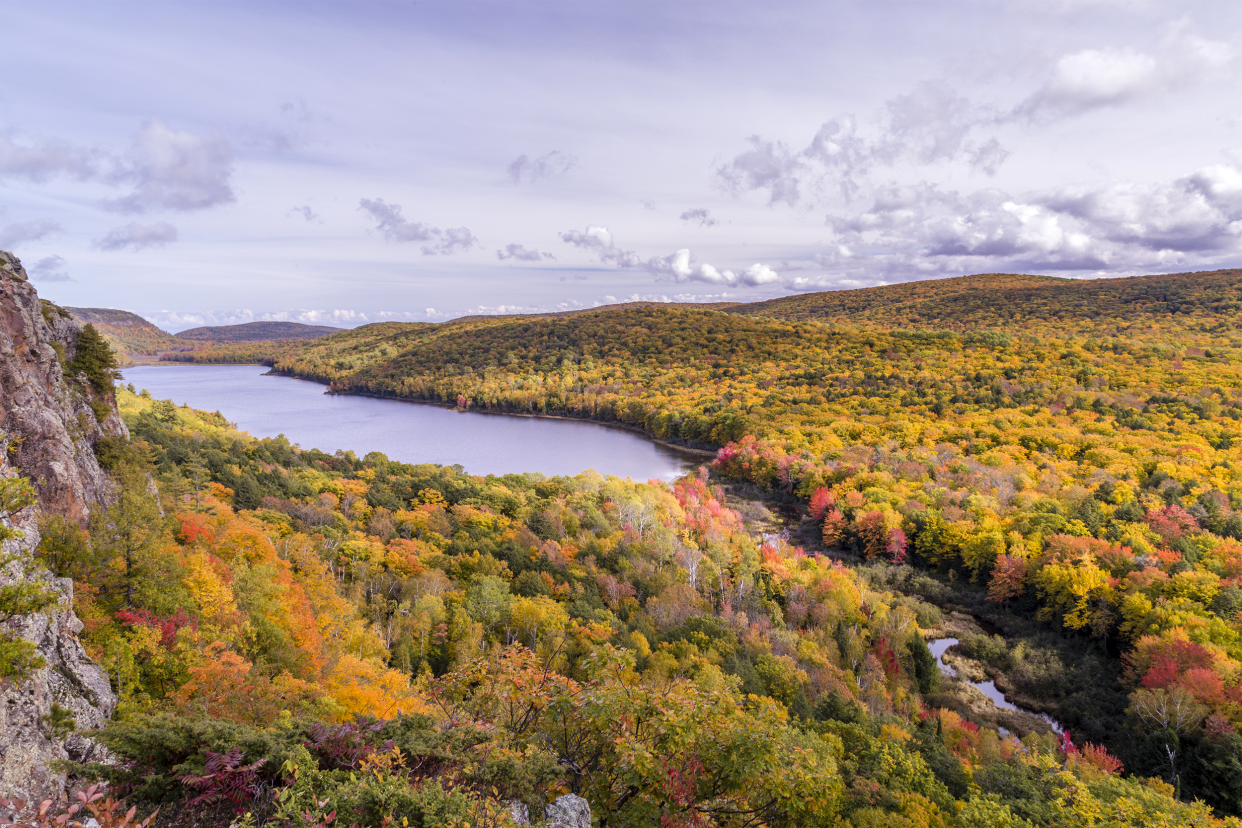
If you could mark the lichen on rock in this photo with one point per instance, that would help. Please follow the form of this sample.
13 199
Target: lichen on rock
48 434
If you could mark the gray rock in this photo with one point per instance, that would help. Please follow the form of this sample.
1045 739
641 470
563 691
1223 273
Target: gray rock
519 812
47 433
568 811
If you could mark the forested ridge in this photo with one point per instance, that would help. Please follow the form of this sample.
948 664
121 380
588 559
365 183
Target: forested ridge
255 332
128 333
1066 449
301 638
301 633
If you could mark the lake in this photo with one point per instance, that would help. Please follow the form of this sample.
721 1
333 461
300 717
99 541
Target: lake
267 406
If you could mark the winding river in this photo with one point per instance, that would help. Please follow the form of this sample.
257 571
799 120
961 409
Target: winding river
266 406
939 646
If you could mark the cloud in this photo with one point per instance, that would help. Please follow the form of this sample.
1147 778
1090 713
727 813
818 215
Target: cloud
921 230
1096 78
598 240
678 267
1093 78
12 235
521 254
45 159
50 269
173 171
931 124
182 320
390 221
523 170
138 236
306 213
677 297
767 165
700 215
648 204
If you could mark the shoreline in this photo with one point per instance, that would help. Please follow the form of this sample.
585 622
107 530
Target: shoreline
707 454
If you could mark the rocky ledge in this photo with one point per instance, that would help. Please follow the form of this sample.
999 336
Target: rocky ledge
48 434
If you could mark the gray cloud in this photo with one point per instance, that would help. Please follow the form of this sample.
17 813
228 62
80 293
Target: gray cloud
920 230
390 221
767 165
524 170
700 215
12 235
521 254
307 213
931 124
50 269
598 240
46 159
137 236
174 171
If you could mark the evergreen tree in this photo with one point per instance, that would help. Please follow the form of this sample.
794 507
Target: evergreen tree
18 656
94 358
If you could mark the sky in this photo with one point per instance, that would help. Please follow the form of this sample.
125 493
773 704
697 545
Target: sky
350 162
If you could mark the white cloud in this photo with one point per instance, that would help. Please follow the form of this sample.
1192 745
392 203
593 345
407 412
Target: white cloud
137 236
182 320
173 171
679 267
390 221
1094 78
521 254
49 269
524 170
598 240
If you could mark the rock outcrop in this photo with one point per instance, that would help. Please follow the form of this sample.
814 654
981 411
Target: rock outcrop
48 432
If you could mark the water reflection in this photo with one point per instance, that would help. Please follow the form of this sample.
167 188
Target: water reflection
939 646
482 443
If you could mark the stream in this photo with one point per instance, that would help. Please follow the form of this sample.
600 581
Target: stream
939 646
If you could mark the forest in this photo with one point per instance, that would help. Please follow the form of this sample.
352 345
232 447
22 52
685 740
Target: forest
299 637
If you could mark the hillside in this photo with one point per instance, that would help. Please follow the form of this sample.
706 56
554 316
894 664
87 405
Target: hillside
1000 300
257 332
380 642
1060 456
128 333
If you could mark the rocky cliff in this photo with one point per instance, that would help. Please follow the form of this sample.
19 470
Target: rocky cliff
48 432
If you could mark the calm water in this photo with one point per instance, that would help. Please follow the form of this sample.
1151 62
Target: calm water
267 406
938 648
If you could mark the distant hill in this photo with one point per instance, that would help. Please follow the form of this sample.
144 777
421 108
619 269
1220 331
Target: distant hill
994 300
257 332
128 333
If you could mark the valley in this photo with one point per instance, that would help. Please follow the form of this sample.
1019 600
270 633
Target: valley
1056 507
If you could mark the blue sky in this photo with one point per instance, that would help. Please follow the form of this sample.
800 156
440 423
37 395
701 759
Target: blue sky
349 162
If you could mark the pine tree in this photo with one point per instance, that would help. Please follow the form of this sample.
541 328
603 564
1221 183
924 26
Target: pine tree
18 656
94 358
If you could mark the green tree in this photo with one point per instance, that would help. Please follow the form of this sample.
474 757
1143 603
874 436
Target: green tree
94 358
18 657
129 539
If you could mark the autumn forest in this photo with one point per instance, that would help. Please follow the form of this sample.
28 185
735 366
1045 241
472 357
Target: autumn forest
1045 470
